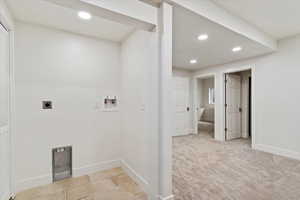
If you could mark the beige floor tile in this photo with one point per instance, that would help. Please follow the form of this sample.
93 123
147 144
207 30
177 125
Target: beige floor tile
105 174
43 191
105 185
43 196
111 184
73 182
80 192
115 195
126 183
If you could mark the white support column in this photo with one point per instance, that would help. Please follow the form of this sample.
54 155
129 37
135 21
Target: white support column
166 102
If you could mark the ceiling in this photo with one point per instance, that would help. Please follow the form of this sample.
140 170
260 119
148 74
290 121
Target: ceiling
278 18
48 14
217 49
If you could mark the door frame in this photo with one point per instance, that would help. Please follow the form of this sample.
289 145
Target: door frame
196 100
253 114
6 21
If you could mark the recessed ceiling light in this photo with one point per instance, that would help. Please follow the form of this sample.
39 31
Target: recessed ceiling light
236 49
203 37
193 61
84 15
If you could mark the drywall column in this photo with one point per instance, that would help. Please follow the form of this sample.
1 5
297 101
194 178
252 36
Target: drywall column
6 82
166 125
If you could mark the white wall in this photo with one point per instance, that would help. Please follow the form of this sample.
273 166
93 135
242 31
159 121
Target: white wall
276 82
75 72
138 56
134 136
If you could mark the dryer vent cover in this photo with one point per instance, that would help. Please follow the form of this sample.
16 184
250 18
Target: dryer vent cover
61 163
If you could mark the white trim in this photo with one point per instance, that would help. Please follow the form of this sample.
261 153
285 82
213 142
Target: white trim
7 21
47 178
277 151
253 114
140 180
171 197
33 182
12 120
196 100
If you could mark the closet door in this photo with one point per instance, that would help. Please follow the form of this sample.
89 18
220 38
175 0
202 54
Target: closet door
233 109
4 115
181 96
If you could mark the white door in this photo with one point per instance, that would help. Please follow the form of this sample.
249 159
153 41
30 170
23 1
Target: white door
4 116
182 110
233 107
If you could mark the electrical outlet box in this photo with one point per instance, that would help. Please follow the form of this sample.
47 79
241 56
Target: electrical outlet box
110 103
47 105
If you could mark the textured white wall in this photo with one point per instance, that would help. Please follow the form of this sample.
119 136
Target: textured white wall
75 72
276 112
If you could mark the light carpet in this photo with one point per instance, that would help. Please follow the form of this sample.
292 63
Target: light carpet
204 169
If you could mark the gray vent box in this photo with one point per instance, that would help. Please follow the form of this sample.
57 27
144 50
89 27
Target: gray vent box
61 163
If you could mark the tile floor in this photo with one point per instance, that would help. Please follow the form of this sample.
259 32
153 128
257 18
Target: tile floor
112 184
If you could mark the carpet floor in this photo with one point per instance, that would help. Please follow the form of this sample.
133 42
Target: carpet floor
204 169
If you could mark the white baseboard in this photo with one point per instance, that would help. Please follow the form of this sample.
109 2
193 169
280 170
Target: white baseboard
171 197
47 178
277 151
33 182
143 183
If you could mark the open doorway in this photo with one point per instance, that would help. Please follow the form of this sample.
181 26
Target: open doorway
238 104
205 105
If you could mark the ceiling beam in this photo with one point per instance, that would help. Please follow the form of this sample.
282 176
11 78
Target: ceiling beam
209 10
155 3
133 13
